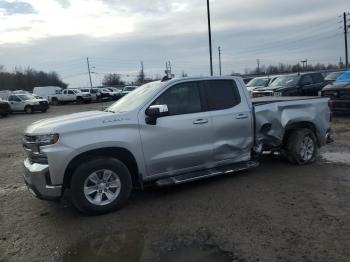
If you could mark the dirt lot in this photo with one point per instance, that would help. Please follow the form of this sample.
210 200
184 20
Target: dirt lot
276 212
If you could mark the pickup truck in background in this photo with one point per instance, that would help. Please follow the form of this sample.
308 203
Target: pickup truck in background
167 133
301 84
27 103
5 108
69 96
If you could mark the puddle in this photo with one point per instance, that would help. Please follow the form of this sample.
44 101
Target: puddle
129 247
196 253
119 247
336 157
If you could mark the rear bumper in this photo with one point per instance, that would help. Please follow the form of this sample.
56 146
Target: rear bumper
36 177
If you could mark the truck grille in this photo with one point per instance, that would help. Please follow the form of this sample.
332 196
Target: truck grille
262 93
32 150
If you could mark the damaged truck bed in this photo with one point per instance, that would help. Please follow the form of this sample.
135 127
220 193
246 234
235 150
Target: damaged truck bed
276 116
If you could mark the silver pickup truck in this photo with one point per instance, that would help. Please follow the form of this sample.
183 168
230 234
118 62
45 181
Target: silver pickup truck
167 133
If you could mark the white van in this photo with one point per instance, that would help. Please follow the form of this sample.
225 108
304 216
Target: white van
4 94
46 91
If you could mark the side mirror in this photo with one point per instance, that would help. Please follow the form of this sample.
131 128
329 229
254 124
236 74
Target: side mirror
155 111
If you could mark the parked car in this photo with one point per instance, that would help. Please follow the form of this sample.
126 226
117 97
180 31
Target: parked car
95 95
46 91
114 93
258 82
5 108
70 95
27 103
303 84
331 77
128 89
167 133
339 95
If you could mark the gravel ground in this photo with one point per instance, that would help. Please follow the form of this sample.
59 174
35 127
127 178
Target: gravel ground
276 212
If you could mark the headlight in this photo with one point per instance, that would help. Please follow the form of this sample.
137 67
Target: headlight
44 140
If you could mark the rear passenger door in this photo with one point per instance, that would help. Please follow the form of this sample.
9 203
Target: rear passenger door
231 122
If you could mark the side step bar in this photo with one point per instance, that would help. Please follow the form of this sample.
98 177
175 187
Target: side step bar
222 170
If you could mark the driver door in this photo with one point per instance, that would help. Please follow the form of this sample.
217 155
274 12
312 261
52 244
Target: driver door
181 141
16 104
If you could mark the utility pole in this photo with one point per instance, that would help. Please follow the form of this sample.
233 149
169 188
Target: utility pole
304 63
142 73
346 40
209 32
88 65
219 49
258 64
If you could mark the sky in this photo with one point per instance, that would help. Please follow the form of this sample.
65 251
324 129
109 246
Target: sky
116 35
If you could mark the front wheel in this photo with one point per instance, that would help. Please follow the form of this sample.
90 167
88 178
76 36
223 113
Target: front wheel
100 186
302 147
28 109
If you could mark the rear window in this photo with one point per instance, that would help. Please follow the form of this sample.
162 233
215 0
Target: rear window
222 94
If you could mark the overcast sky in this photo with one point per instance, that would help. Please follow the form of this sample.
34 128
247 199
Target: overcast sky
117 34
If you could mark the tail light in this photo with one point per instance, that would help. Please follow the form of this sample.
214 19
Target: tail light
330 105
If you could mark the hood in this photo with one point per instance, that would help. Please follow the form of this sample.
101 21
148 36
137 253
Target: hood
36 100
270 88
337 86
72 122
251 88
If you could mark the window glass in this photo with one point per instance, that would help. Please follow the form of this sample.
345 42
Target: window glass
183 98
222 94
70 92
306 80
11 98
317 78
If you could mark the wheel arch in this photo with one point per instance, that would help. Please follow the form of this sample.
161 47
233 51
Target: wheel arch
299 125
119 153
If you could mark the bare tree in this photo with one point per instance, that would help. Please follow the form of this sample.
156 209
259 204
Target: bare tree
112 79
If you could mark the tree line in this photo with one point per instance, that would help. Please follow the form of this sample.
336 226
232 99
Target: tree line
291 68
27 79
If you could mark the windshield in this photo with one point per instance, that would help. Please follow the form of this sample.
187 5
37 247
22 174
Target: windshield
135 98
25 97
286 81
333 76
258 82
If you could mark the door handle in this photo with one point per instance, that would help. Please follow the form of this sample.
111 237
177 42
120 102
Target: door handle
200 121
241 116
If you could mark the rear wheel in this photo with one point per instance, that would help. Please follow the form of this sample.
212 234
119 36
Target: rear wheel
28 109
4 114
54 101
79 100
302 147
100 186
43 110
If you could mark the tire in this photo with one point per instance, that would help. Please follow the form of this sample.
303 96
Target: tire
80 100
54 101
302 147
43 110
84 176
4 115
28 109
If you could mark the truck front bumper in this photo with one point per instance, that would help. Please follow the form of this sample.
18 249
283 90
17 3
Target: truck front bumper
36 177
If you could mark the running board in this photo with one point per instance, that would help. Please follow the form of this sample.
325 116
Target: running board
222 170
